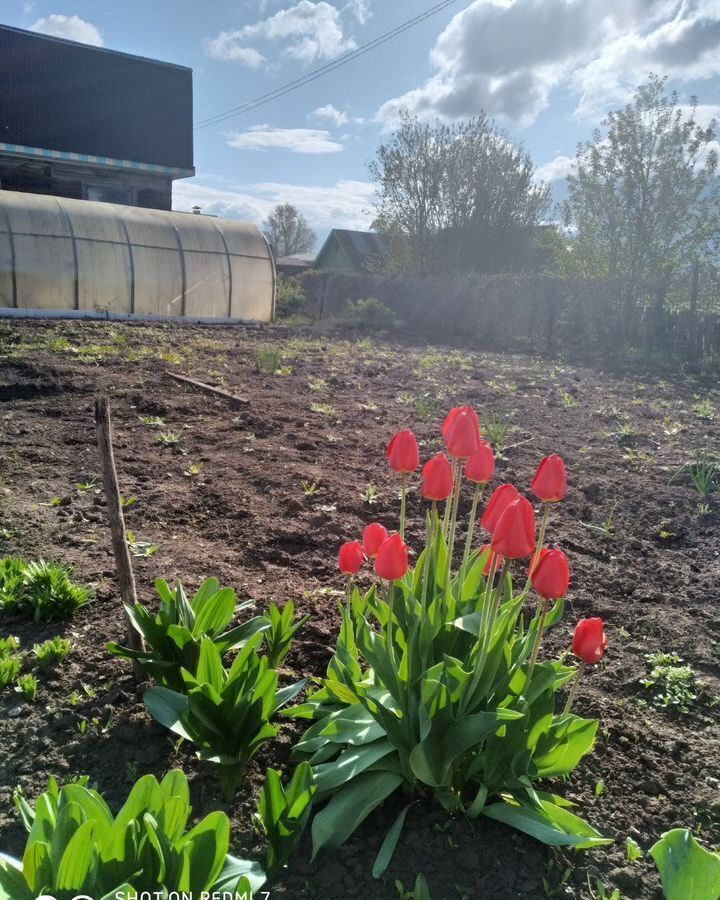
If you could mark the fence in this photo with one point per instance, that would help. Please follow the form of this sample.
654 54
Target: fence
539 313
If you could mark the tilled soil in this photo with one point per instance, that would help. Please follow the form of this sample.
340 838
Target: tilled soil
235 500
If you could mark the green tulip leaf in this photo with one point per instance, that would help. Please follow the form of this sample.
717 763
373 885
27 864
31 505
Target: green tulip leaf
687 870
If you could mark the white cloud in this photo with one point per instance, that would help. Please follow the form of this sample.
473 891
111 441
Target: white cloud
342 205
336 116
309 30
556 169
298 140
73 28
360 9
505 58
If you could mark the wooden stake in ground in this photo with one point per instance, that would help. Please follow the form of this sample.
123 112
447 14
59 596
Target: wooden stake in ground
126 579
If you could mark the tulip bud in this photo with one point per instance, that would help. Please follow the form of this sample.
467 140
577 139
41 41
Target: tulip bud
392 559
437 478
374 537
402 452
514 535
480 467
550 481
351 557
461 432
501 498
589 641
551 575
492 555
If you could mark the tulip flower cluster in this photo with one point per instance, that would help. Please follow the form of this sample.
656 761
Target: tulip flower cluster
437 682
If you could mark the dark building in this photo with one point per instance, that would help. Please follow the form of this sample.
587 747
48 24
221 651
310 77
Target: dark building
88 123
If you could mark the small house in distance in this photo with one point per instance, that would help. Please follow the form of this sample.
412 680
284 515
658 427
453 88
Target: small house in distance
351 251
287 266
88 123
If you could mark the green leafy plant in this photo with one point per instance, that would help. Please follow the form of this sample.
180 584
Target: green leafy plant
324 409
279 636
703 408
420 891
607 528
687 869
168 438
673 684
193 469
703 472
173 636
141 549
496 428
41 588
283 813
9 669
27 685
152 421
51 653
225 713
75 845
8 646
310 488
370 314
268 358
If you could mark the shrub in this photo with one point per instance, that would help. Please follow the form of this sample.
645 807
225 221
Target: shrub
51 653
173 636
76 845
290 298
41 588
370 315
225 713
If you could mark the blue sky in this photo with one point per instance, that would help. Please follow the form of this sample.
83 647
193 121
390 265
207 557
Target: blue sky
545 69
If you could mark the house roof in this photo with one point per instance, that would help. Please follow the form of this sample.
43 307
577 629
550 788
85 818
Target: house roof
358 245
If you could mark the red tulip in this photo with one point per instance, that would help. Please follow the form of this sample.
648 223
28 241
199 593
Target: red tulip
550 481
501 498
491 556
461 432
374 537
551 575
392 559
402 452
351 557
481 465
437 478
514 535
589 641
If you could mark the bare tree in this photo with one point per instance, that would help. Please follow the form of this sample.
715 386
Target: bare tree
456 196
288 232
644 199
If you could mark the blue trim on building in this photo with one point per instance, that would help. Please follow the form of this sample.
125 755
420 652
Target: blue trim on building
95 160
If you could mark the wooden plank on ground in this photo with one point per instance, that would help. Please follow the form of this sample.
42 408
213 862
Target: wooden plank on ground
241 401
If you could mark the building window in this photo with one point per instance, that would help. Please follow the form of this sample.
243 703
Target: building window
109 194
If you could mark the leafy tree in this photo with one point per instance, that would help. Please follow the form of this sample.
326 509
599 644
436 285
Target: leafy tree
456 196
644 199
288 232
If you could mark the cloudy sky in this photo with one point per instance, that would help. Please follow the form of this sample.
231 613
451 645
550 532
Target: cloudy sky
547 70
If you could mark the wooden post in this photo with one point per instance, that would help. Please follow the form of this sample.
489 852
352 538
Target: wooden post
126 579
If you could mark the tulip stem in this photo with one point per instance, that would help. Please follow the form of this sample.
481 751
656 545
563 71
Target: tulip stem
429 544
479 491
389 595
403 495
488 623
573 689
348 594
457 479
539 547
538 638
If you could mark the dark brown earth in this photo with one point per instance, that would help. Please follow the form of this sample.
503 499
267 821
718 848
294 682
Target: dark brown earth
246 519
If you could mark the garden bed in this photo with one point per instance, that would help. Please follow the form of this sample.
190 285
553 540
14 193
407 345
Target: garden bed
261 495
